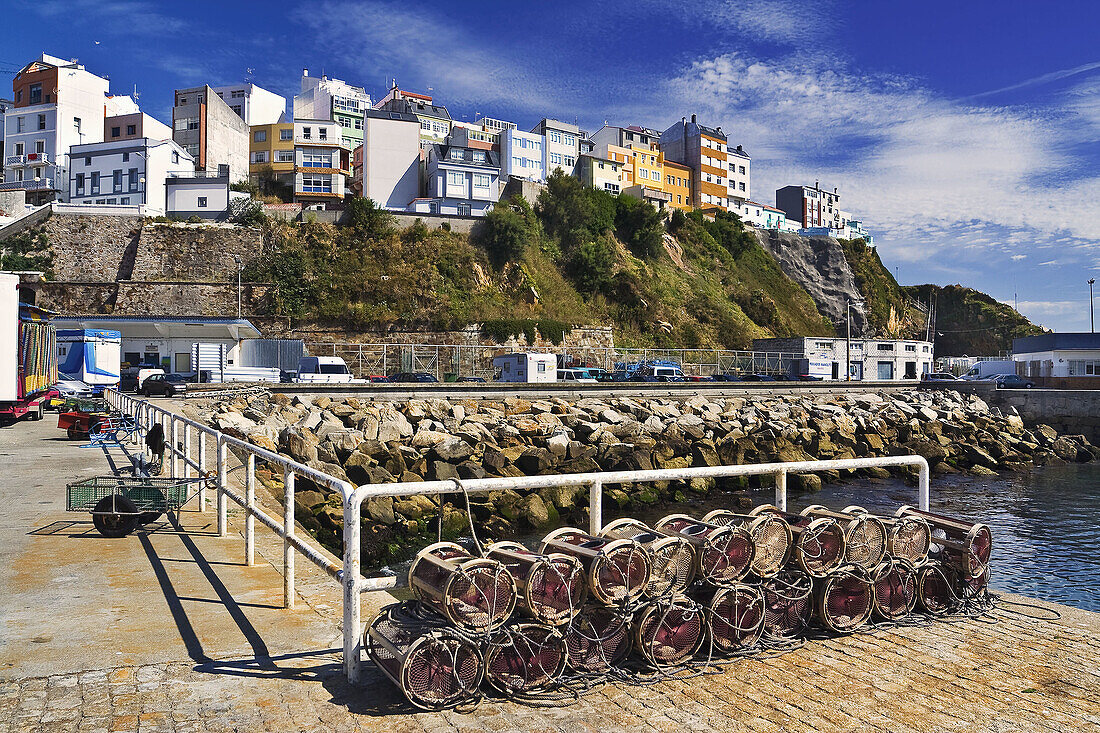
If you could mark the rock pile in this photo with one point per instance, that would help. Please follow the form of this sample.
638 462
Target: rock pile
377 442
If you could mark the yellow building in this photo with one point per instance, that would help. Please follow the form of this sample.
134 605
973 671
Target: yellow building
271 151
677 184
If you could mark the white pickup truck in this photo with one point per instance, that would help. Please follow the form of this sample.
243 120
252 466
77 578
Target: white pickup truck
324 370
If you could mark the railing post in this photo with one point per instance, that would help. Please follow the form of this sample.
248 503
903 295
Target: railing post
250 505
202 470
288 532
923 486
353 608
781 490
175 446
595 507
223 516
186 450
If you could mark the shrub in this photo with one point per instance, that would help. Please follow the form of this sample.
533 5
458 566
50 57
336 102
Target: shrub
573 214
639 226
504 235
368 219
592 264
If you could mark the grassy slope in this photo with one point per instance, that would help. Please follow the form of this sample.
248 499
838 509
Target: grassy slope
444 280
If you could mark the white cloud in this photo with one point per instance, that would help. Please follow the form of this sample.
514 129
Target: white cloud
1049 262
1017 258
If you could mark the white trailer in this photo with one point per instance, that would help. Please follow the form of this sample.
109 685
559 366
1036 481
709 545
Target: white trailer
90 355
528 367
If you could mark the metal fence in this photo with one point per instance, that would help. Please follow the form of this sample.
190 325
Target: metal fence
475 360
192 455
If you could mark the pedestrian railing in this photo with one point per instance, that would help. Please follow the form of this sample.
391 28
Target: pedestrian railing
349 575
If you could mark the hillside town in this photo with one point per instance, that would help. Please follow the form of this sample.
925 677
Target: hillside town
65 137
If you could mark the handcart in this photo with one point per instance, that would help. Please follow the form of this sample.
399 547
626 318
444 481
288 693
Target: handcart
78 417
119 504
112 428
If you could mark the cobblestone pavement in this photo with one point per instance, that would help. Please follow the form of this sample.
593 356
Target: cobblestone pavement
1004 673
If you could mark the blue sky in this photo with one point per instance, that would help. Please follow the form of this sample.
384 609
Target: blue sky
966 133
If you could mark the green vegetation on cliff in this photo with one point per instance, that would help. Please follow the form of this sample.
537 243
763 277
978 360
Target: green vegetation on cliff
969 322
577 257
884 300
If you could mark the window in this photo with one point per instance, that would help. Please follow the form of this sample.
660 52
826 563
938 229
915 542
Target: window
517 162
570 161
439 127
286 134
358 123
679 198
35 94
79 184
116 181
322 133
456 178
187 123
741 186
116 131
481 180
741 169
426 125
479 156
260 136
39 146
237 108
307 133
20 124
125 157
885 347
612 187
910 347
554 136
124 200
260 156
175 158
1084 368
314 183
600 165
237 94
570 140
316 160
132 174
555 158
131 129
95 182
112 201
284 156
202 202
464 210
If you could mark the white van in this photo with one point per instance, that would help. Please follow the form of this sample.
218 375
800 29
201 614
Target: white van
579 376
990 368
324 370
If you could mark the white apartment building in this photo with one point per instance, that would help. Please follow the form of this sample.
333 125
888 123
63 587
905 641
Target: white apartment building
255 105
126 172
563 145
522 155
390 167
58 104
321 162
761 216
739 172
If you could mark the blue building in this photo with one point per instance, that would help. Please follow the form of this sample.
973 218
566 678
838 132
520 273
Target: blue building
461 181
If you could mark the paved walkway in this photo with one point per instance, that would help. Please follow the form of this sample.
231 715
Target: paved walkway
167 630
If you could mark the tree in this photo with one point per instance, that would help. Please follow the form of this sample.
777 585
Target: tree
572 213
504 234
592 264
639 226
368 219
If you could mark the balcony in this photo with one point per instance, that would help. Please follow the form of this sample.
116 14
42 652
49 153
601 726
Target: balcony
42 184
28 160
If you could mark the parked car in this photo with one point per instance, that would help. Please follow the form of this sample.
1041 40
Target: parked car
167 385
576 375
1012 381
480 380
806 378
422 377
66 388
939 377
757 378
698 378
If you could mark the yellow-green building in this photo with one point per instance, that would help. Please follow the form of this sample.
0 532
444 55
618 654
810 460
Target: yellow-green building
271 155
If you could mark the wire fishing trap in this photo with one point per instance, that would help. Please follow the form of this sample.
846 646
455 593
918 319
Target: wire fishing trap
907 536
957 541
618 569
551 588
788 603
473 593
524 657
673 558
597 639
669 631
771 538
895 584
735 617
818 546
843 599
865 536
723 554
434 666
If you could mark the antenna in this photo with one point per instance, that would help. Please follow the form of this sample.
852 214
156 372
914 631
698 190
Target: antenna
137 94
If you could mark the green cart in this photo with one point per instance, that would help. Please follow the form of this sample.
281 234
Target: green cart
119 504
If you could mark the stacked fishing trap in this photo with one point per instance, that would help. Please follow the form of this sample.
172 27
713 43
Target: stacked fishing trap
639 602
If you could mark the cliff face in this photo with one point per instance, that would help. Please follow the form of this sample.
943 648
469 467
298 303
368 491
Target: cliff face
818 264
971 323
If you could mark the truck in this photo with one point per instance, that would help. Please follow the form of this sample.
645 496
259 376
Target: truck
90 355
990 368
28 354
324 370
526 366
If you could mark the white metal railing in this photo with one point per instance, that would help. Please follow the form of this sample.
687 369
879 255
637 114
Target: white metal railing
349 576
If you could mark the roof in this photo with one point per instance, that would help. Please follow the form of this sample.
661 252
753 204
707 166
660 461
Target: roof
417 107
165 326
442 155
602 160
384 114
1055 342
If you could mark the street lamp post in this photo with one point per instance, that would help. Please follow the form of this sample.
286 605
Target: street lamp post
237 259
1092 315
848 339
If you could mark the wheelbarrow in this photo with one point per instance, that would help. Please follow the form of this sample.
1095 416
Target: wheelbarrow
120 504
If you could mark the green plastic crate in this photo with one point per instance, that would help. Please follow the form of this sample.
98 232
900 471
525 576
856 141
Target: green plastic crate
85 404
148 494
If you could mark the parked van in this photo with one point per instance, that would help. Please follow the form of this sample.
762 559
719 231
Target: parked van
531 367
991 368
580 376
323 370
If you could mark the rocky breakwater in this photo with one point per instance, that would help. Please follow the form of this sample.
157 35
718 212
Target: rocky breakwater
380 442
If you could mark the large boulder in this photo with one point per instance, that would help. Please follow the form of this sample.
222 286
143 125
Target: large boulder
299 443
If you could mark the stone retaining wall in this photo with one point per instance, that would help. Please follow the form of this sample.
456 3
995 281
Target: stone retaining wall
1075 412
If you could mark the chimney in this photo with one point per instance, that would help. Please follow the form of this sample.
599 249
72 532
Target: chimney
817 185
305 72
683 120
718 130
693 118
740 149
